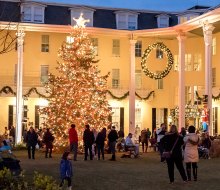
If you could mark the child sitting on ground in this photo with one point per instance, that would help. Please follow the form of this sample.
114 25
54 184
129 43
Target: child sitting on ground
66 171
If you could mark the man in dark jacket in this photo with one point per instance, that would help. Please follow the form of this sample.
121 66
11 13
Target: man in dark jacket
31 140
88 139
112 138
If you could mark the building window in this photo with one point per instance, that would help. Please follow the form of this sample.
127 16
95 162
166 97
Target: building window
32 12
163 21
197 62
27 13
126 20
213 77
188 62
116 48
138 79
137 115
44 73
159 83
87 15
44 43
116 117
214 46
138 49
132 22
187 17
95 46
115 78
159 53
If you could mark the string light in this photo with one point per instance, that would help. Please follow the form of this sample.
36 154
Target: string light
162 74
78 92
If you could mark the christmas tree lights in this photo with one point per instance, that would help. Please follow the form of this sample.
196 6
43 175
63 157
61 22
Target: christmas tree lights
78 93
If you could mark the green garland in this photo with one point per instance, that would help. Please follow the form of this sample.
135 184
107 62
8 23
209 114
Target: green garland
203 98
162 74
127 94
9 90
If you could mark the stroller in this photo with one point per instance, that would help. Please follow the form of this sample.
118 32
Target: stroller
203 152
8 160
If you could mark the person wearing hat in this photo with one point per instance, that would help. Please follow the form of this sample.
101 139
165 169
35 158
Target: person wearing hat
112 138
130 144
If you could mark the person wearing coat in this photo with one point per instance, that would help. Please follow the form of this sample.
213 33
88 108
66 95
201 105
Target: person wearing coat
191 155
168 142
31 140
112 138
100 142
66 171
88 139
48 139
73 139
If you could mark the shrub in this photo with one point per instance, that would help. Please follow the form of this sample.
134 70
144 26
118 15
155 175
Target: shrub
40 182
10 182
43 182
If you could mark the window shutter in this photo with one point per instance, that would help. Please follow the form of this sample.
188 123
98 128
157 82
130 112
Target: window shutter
153 119
37 117
165 116
10 116
121 119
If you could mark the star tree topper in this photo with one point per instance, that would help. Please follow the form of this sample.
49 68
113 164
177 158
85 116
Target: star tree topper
80 22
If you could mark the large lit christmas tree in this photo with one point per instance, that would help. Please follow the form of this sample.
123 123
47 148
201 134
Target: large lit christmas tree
78 93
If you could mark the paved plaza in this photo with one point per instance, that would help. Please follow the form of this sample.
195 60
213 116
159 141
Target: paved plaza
143 173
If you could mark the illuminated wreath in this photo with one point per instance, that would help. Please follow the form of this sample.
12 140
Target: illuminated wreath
163 48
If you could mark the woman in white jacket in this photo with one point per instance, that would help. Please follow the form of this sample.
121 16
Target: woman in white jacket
191 156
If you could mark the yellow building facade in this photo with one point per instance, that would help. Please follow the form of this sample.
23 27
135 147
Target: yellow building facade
162 94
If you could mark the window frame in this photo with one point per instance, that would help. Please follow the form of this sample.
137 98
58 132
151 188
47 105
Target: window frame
45 46
115 78
115 49
33 6
138 49
186 17
159 21
126 25
44 77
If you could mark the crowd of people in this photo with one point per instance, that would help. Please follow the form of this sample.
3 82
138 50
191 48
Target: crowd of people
175 148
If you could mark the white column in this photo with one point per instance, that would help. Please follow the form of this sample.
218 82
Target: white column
181 93
207 31
132 87
19 99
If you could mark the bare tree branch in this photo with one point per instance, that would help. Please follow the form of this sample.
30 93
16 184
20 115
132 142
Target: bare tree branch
8 38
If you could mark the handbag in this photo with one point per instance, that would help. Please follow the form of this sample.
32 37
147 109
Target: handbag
167 154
